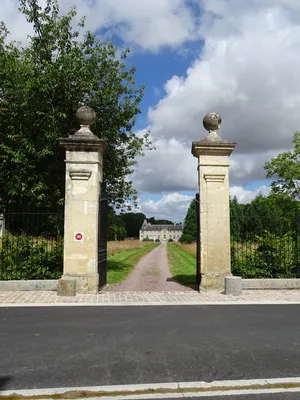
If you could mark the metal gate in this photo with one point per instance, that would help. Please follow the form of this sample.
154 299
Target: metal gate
198 256
102 239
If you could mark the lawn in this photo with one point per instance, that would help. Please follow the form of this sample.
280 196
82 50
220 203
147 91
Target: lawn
123 257
115 246
182 261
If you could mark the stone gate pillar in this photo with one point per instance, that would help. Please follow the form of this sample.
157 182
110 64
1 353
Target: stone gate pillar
213 163
84 174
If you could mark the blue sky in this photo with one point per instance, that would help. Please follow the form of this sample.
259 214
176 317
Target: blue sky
153 70
181 64
238 58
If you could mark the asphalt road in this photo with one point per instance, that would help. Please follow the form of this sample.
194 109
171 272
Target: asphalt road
44 347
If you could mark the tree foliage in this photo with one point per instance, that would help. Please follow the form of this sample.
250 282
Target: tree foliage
189 233
265 237
129 224
154 221
276 214
272 257
23 257
41 87
285 168
116 227
133 223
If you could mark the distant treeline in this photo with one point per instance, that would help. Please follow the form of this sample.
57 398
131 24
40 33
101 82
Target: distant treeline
277 214
129 224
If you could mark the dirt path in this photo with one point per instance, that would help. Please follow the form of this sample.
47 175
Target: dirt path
152 273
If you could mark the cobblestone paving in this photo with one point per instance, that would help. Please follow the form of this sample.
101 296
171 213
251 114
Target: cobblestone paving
150 298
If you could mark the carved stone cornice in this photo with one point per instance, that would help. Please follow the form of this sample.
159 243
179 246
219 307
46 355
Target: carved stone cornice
212 149
214 177
80 175
83 143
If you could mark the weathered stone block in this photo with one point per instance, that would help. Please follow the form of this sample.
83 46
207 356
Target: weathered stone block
213 282
66 287
233 285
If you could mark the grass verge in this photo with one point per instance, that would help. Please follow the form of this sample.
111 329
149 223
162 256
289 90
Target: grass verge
115 246
182 264
120 264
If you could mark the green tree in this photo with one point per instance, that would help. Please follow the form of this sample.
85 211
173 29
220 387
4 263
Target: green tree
133 223
259 215
189 233
285 168
41 87
236 218
116 227
274 213
154 221
272 257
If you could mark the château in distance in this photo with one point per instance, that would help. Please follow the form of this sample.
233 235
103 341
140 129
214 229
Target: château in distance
163 233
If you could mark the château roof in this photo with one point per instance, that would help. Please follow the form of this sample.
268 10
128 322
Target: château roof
149 227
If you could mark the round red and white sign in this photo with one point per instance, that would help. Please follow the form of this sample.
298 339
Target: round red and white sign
78 236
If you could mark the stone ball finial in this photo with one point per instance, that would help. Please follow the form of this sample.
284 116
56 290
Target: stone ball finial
86 116
212 121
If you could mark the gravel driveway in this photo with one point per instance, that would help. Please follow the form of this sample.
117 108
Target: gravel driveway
152 273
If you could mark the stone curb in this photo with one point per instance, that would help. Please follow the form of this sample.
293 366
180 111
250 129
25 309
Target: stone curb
147 304
30 285
247 284
163 390
270 284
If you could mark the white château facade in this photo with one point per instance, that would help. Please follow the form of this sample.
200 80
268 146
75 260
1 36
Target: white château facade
160 232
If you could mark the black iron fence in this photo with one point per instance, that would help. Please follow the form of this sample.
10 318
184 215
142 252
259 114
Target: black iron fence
266 246
31 244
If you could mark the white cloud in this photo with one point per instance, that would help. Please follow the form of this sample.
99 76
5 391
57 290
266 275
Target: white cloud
147 24
248 72
251 79
171 167
166 169
246 196
172 206
14 21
